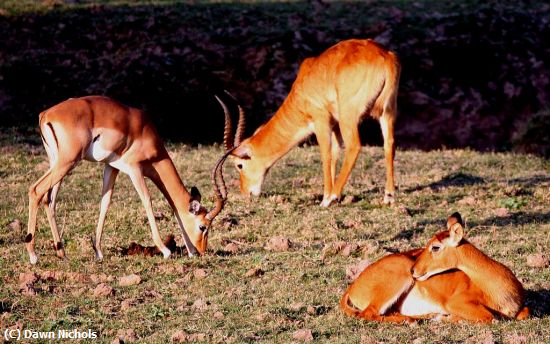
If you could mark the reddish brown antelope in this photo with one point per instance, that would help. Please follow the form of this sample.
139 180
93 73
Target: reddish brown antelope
449 279
102 130
331 95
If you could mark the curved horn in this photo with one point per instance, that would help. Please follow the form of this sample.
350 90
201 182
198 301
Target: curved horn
240 127
227 131
241 124
221 195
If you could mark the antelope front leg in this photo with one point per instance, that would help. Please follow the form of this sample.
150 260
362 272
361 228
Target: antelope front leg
109 179
139 183
386 124
49 207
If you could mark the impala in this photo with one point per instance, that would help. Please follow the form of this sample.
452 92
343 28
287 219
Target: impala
99 129
450 279
331 95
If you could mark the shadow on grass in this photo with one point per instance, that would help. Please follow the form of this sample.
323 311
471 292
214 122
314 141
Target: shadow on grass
538 302
531 180
518 218
455 179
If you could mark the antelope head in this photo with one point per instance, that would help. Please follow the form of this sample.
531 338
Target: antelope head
440 254
251 169
201 218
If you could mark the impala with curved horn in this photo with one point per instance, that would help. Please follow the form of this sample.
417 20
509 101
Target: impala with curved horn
331 95
99 129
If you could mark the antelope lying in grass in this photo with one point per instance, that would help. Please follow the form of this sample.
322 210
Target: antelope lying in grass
102 130
450 279
331 95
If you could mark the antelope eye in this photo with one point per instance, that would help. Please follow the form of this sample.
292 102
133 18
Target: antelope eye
240 166
435 248
202 228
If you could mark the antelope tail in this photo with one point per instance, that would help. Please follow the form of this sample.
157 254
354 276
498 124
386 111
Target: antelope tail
346 308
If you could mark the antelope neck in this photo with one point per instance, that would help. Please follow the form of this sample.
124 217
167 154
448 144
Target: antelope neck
280 134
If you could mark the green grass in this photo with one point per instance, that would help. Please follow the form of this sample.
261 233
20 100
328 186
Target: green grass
271 307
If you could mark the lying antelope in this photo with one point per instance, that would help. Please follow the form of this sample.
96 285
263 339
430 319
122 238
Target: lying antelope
331 95
450 279
100 129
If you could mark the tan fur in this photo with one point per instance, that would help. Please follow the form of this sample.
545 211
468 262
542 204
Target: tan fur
329 98
387 291
123 138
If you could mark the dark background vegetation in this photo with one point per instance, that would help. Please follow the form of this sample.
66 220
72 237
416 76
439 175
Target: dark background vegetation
475 73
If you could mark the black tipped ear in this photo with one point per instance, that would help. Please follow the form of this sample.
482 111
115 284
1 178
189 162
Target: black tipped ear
195 194
454 218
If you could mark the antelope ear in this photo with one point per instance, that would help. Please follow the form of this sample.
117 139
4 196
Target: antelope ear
454 218
194 207
456 233
195 194
243 152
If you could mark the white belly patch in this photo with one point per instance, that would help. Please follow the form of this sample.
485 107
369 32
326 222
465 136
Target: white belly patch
416 304
97 153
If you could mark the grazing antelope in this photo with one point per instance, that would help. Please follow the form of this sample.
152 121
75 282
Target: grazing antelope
449 279
99 129
331 95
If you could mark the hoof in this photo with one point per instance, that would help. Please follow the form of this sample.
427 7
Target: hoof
166 252
33 258
98 256
327 201
389 199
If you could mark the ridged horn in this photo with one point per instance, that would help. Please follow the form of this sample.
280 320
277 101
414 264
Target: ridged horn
221 195
241 124
228 130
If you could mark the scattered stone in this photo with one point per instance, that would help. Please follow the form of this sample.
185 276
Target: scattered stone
102 290
349 199
101 278
196 337
15 225
261 316
200 273
127 335
303 335
537 260
200 305
349 249
179 337
298 182
340 247
278 244
219 315
468 200
231 248
254 272
27 277
515 338
277 199
502 212
297 306
129 280
126 304
353 271
311 310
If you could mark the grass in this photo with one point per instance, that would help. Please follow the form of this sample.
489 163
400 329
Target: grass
298 289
